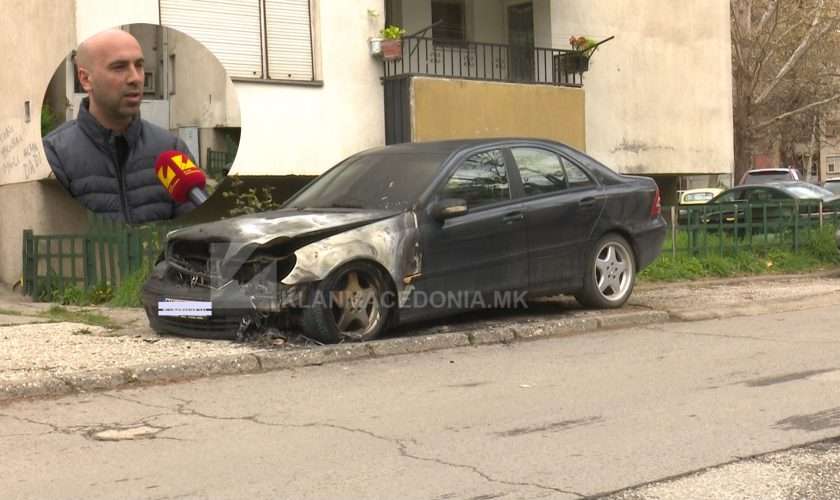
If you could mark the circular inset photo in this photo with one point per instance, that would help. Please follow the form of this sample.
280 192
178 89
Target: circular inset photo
140 123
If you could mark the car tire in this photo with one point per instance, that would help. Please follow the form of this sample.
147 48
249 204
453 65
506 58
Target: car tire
610 274
352 303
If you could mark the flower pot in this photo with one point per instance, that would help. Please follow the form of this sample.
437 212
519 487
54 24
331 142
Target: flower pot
575 63
375 46
391 50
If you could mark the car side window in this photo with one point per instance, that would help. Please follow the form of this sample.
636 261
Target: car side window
575 175
760 196
540 170
480 180
729 197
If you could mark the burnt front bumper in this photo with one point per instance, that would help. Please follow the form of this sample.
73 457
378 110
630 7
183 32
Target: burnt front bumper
228 307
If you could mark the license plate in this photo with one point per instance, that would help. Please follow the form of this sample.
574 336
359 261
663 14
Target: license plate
192 309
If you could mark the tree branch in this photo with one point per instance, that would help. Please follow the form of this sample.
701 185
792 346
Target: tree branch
804 45
738 37
771 9
783 116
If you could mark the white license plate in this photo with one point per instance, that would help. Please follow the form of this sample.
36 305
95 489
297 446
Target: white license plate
192 309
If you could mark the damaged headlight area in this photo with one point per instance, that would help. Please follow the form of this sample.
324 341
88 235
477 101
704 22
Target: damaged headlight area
238 289
214 265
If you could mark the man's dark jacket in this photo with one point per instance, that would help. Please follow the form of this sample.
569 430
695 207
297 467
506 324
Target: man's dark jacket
85 158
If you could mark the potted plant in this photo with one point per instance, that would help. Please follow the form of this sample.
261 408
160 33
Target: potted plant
391 42
577 61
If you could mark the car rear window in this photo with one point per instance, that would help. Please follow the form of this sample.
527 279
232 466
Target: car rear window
698 197
762 177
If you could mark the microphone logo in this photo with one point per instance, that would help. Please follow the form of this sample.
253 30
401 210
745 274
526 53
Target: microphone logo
180 177
166 174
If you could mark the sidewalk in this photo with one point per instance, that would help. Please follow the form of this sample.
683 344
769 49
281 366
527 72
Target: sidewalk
45 355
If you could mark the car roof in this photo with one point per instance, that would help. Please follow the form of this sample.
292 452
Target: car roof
778 169
783 186
449 146
779 185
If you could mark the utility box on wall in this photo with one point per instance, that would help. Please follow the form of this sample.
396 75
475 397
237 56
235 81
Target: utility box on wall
419 109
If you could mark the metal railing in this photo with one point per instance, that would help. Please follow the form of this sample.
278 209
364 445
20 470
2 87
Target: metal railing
487 62
732 228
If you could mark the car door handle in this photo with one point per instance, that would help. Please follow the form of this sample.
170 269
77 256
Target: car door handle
513 217
587 202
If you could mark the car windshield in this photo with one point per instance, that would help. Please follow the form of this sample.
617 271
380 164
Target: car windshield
388 181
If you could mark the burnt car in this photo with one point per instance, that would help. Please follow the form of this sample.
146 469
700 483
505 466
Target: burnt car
409 232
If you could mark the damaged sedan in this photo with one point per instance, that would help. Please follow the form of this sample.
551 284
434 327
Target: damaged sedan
410 232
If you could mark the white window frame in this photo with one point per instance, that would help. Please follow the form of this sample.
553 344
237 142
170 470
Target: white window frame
314 75
831 164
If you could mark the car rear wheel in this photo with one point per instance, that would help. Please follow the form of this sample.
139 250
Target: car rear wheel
350 304
610 274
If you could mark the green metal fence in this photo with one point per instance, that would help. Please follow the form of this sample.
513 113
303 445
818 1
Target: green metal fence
106 254
216 162
731 228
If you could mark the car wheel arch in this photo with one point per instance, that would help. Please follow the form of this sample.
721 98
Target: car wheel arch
628 237
313 321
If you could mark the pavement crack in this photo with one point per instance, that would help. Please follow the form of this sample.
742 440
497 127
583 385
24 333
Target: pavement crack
54 428
402 447
405 453
92 431
138 402
750 337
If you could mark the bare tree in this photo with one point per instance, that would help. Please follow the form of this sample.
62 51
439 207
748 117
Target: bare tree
785 70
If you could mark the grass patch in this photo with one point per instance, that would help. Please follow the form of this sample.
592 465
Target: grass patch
819 252
128 293
10 312
74 295
59 314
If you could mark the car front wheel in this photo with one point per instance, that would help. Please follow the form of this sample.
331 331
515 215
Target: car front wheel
352 303
609 275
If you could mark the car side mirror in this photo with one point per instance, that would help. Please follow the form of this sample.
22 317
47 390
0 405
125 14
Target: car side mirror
448 208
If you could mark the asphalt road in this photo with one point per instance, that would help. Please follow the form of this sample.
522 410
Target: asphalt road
555 418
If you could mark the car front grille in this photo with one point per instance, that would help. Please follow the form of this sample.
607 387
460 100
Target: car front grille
199 264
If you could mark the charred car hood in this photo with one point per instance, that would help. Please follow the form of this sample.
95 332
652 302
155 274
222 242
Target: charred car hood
284 224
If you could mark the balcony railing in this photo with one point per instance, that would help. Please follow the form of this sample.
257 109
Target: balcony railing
487 62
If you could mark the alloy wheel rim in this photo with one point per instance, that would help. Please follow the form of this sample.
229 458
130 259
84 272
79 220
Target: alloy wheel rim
613 271
356 309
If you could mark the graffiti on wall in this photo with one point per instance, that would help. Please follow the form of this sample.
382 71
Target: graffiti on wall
20 158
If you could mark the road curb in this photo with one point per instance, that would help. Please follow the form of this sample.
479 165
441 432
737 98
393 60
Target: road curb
270 360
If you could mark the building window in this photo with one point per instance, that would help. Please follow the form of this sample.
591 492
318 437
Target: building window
832 128
833 164
172 81
452 13
263 39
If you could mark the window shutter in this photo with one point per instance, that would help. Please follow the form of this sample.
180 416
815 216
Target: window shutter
228 28
288 39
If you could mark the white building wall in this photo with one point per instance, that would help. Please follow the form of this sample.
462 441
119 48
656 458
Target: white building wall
658 96
93 16
299 129
286 128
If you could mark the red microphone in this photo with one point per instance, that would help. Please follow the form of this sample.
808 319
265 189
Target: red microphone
181 177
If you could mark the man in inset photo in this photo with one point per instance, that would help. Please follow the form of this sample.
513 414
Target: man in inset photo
107 157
